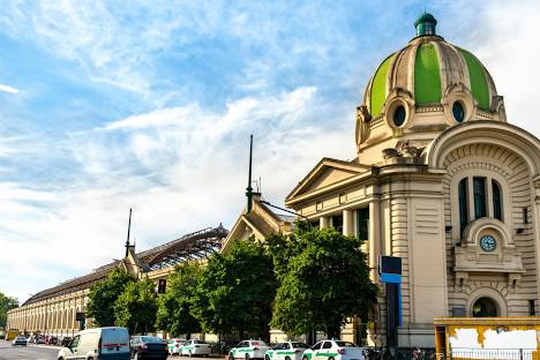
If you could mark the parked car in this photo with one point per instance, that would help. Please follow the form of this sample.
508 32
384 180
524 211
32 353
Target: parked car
65 341
287 350
19 341
334 350
249 349
148 347
99 343
174 346
195 347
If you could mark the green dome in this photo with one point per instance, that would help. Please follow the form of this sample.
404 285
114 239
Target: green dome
426 68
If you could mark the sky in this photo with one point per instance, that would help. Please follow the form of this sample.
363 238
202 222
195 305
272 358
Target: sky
111 105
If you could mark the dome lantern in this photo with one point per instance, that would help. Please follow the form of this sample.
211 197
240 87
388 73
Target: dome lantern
425 25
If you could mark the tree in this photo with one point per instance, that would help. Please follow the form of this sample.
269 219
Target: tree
6 303
174 313
236 291
103 296
324 278
136 307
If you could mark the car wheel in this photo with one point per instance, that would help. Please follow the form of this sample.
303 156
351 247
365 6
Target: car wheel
266 357
305 358
287 358
231 357
189 354
331 358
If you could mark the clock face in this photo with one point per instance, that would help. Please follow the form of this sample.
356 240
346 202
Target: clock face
488 243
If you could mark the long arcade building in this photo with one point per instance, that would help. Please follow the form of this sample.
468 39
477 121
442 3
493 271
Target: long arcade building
54 311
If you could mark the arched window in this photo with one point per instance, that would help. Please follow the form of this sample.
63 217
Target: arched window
484 307
479 184
497 201
463 207
474 202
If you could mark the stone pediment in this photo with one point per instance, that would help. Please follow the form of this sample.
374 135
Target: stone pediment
327 172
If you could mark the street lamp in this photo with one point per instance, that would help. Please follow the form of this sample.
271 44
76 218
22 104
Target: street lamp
288 211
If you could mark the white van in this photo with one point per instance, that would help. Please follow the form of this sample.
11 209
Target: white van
107 343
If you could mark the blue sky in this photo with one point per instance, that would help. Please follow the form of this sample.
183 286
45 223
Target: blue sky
149 104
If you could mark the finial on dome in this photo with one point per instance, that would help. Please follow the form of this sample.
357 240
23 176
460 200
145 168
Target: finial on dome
425 24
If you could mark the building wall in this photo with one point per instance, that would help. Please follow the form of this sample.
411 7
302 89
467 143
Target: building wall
54 316
514 176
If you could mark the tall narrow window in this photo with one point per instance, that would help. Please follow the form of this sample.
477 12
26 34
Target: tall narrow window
363 223
497 201
463 208
479 184
337 223
525 215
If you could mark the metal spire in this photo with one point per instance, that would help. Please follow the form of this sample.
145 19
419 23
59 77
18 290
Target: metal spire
129 230
249 189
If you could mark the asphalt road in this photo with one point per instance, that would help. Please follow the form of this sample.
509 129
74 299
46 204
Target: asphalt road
8 352
31 352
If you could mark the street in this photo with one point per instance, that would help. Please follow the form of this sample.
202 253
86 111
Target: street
32 352
8 352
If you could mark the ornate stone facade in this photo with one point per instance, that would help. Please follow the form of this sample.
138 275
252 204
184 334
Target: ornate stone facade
442 181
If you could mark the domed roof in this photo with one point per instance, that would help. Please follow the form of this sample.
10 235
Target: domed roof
426 68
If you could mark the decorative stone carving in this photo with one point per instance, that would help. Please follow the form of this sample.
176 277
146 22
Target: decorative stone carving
470 258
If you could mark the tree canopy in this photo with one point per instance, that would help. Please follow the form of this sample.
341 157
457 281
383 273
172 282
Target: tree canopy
6 303
236 291
324 278
174 313
103 296
136 307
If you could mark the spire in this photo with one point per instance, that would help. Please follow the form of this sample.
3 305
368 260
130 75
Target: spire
129 230
249 189
425 25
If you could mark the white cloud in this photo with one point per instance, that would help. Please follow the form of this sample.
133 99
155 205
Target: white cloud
8 89
181 169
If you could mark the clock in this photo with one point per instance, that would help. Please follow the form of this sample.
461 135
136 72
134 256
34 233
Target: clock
488 243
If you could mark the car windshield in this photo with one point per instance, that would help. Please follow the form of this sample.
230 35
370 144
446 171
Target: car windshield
345 344
151 339
300 345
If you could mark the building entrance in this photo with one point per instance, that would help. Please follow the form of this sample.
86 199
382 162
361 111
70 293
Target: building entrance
484 307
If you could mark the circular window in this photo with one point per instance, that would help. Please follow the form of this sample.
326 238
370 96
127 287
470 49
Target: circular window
488 243
458 111
484 307
399 115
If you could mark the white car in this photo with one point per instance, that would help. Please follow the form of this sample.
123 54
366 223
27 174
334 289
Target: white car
334 350
249 349
287 350
19 340
174 346
195 347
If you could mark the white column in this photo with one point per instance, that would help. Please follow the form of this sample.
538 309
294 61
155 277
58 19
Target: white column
324 222
374 238
489 197
348 222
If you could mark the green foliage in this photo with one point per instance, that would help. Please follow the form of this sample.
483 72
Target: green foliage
136 307
6 303
174 310
236 291
103 296
324 278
